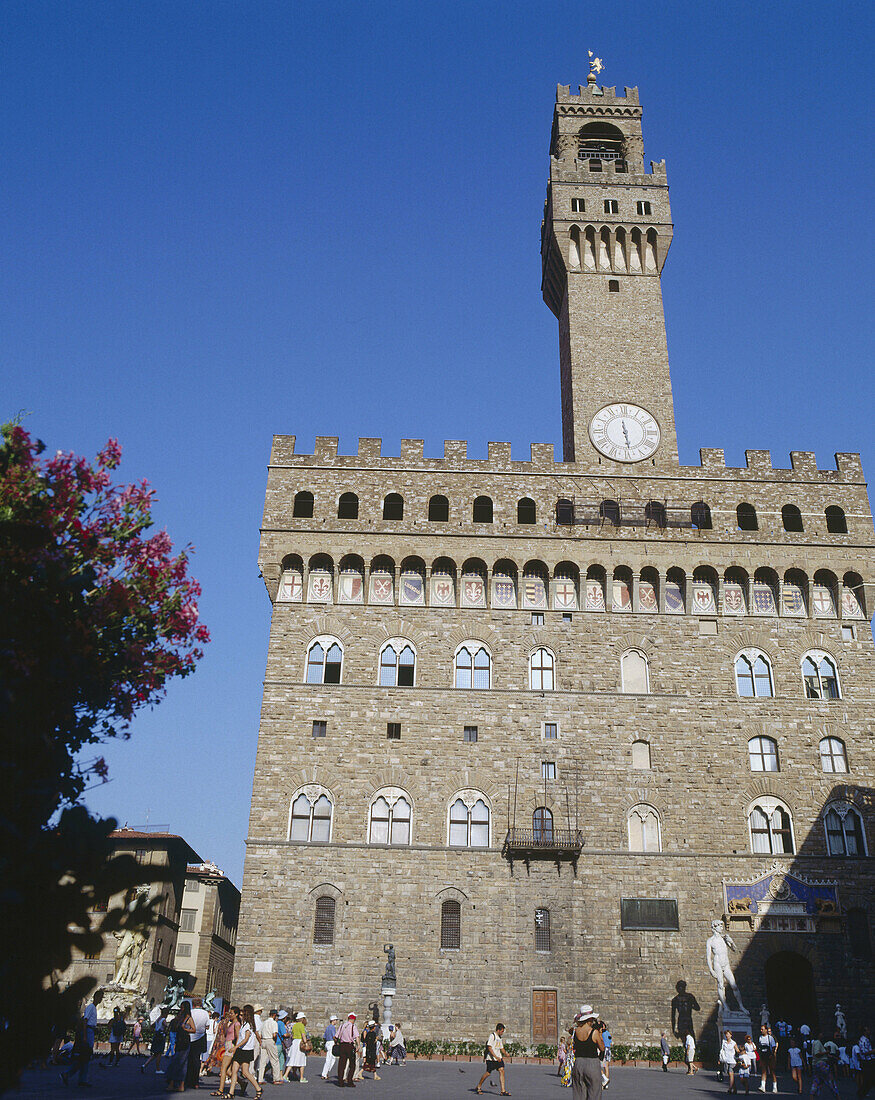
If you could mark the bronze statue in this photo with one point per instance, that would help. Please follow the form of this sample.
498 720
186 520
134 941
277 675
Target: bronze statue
389 950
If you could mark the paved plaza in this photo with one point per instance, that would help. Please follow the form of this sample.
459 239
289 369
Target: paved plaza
423 1080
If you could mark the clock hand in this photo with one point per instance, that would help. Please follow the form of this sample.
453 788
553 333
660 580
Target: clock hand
625 433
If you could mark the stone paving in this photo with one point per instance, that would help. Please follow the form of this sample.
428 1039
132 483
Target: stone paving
424 1080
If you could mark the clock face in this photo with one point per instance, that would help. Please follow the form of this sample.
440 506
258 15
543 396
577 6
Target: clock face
625 433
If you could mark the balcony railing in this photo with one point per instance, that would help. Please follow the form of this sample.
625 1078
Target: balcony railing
550 843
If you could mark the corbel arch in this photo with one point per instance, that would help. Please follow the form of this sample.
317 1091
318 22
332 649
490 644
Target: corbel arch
326 890
451 893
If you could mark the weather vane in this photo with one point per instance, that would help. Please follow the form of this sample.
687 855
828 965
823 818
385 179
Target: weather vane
595 67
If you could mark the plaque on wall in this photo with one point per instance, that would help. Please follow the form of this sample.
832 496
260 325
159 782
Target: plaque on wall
319 590
595 596
778 901
534 593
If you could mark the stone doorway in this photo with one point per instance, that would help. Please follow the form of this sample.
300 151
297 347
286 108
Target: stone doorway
790 990
545 1017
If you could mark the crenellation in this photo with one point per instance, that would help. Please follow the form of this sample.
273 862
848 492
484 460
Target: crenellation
455 450
370 449
282 450
499 454
760 461
412 450
325 448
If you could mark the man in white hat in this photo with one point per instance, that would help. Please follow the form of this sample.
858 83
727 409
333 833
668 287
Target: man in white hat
268 1053
329 1035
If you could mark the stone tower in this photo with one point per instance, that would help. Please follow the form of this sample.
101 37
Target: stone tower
607 229
538 723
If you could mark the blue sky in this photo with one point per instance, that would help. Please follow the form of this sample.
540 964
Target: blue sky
226 220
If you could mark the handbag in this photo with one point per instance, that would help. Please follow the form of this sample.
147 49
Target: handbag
306 1045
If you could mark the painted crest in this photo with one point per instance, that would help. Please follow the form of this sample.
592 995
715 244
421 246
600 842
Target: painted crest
763 599
674 598
442 591
622 598
703 598
534 594
473 592
350 590
412 589
821 601
564 595
595 596
851 605
381 588
320 588
503 592
792 600
647 600
291 588
733 599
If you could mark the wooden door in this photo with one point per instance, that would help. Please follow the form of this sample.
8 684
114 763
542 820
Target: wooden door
545 1017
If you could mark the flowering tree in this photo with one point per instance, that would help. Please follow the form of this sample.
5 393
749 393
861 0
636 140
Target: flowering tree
96 615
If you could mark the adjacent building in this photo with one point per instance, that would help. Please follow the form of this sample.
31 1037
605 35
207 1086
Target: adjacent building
207 930
539 723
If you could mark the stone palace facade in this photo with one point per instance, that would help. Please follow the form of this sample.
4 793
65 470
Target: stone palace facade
538 723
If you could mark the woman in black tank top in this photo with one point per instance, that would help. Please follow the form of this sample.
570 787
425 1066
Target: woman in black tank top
586 1075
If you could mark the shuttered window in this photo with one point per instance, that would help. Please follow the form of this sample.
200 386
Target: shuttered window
653 913
323 927
451 925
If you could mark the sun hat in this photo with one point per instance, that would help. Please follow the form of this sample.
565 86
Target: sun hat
284 1015
586 1013
330 1018
258 1008
301 1016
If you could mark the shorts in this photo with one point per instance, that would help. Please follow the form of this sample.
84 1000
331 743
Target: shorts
492 1065
157 1045
244 1057
767 1061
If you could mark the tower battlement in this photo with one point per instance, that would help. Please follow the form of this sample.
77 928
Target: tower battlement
591 93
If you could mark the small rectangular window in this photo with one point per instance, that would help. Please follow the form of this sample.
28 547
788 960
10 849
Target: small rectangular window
470 733
537 618
620 166
551 731
548 769
849 633
644 209
612 206
186 920
567 617
393 731
183 951
614 286
638 914
595 165
578 206
320 729
193 886
141 855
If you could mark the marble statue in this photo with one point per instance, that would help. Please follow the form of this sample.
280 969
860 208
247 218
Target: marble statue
210 1001
841 1023
129 958
174 994
717 950
389 950
764 1015
682 1008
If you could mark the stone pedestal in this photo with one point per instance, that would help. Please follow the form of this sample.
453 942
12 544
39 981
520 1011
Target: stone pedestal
739 1023
388 994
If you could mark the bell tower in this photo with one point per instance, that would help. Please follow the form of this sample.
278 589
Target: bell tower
606 232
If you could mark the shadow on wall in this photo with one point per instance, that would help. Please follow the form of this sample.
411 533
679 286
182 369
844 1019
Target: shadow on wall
801 921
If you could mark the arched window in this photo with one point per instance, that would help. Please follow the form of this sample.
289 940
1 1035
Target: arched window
746 516
542 826
763 754
390 819
819 676
323 925
542 929
303 506
753 675
438 509
324 661
469 824
641 755
836 523
311 818
654 513
393 506
609 512
451 925
833 755
473 666
397 664
542 670
844 830
564 511
771 830
644 829
348 506
525 510
482 511
600 141
700 516
634 673
791 517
